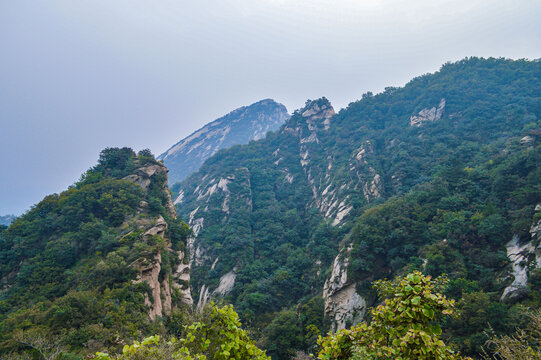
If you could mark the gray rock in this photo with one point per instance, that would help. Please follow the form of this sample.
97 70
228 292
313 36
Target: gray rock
428 115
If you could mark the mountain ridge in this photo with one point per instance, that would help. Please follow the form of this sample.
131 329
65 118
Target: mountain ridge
440 176
277 213
239 126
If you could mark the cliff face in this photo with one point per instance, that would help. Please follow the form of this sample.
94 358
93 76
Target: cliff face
343 306
149 268
238 127
221 200
524 257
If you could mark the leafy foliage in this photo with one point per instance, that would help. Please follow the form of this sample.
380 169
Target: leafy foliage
217 337
402 328
521 345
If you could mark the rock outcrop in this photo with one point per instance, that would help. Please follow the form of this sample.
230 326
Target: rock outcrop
215 193
428 115
149 268
314 121
523 256
343 306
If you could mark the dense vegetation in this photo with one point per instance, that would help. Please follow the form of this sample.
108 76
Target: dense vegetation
447 197
458 225
215 335
67 264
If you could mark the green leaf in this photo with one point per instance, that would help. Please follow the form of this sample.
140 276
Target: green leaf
428 313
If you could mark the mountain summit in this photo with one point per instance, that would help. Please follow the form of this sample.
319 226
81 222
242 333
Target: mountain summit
238 127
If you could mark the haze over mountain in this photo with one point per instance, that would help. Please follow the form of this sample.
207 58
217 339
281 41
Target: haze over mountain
238 127
79 76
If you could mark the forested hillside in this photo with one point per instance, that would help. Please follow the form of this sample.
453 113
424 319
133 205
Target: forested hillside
441 176
86 270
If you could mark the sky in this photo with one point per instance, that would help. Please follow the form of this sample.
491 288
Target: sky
79 76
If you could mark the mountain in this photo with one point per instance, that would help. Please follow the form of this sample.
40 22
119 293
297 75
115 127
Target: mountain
6 219
94 266
441 175
238 127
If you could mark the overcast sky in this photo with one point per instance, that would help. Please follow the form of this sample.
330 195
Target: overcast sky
78 76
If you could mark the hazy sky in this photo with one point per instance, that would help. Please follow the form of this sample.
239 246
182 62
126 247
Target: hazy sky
78 76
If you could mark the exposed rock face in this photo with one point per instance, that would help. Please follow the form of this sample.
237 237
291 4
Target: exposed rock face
521 256
150 274
149 269
215 198
142 175
181 279
527 140
238 127
227 282
342 303
428 115
215 193
315 117
315 120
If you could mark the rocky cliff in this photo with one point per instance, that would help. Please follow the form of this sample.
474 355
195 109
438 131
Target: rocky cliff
525 257
149 267
343 306
217 201
238 127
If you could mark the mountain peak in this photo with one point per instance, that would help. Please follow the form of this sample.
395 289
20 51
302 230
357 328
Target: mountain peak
238 127
320 108
317 110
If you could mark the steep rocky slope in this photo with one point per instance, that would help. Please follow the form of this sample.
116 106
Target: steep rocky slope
276 221
238 127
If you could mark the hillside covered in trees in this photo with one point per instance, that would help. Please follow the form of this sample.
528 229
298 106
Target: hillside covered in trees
86 269
440 176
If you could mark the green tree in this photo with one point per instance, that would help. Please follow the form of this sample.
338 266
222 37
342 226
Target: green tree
522 345
218 336
403 327
283 335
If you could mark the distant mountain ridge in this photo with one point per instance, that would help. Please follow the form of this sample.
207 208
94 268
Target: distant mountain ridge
6 219
238 127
